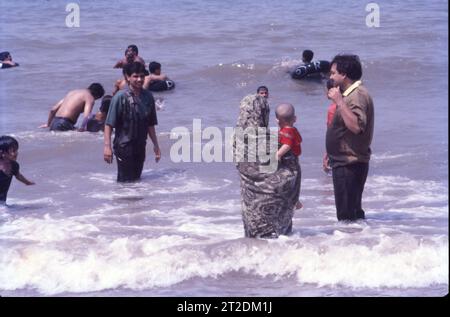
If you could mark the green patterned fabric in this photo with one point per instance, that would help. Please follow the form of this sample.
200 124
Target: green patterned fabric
267 199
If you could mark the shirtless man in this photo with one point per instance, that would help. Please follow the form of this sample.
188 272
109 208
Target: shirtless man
131 55
64 115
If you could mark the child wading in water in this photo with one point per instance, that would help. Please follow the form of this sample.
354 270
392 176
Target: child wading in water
288 137
8 166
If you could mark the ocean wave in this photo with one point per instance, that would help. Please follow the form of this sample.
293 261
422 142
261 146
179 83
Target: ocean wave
340 259
397 191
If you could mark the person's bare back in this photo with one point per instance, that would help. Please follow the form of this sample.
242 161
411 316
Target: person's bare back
72 105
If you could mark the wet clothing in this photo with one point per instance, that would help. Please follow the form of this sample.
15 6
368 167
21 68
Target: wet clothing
62 124
131 116
130 162
267 198
5 180
349 153
161 85
290 136
348 183
94 125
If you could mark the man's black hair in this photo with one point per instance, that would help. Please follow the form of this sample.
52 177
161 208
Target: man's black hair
349 65
96 90
307 56
8 142
153 66
262 88
133 68
4 55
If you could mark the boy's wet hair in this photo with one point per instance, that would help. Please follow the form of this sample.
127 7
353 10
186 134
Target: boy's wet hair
7 143
106 102
133 48
96 90
308 55
349 65
262 88
134 68
153 66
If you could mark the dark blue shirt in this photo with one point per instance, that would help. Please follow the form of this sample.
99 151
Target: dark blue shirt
5 180
131 116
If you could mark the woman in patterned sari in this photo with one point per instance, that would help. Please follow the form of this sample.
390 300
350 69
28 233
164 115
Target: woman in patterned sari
268 196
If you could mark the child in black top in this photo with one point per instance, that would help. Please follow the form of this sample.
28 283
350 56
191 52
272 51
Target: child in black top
8 166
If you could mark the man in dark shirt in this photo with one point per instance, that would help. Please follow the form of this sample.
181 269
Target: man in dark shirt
132 114
349 136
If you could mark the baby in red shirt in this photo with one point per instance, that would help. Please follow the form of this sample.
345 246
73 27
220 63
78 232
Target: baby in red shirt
288 137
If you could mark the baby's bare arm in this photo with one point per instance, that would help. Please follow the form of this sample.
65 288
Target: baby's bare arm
283 150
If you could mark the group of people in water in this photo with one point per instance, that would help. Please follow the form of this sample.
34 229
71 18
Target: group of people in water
268 199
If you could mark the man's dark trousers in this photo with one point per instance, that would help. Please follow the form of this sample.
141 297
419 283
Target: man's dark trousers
348 184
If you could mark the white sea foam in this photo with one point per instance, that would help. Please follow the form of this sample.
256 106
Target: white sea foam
326 260
397 191
381 157
285 65
45 229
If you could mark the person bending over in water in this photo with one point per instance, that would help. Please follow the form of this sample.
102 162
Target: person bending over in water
64 115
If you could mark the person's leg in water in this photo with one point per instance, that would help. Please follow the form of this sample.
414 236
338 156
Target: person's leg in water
363 170
139 159
130 162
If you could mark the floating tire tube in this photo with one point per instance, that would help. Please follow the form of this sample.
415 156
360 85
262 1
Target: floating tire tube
161 85
303 71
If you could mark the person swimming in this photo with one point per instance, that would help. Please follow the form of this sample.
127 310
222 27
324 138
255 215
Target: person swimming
157 81
6 60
